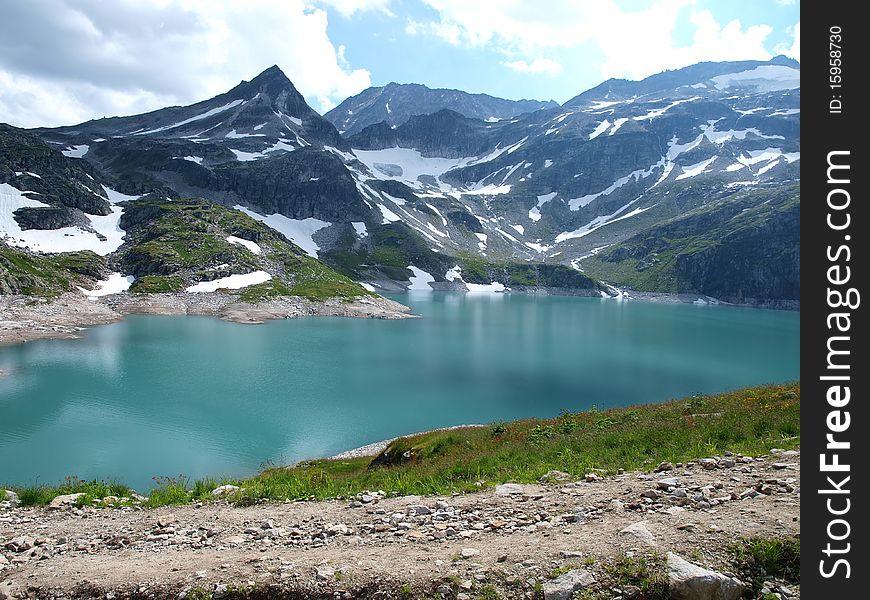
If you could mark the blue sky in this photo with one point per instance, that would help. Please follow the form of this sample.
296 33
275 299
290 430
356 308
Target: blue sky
402 41
66 61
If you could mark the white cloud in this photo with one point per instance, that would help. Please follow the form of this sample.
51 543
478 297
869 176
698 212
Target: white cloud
634 43
348 8
793 51
539 65
65 61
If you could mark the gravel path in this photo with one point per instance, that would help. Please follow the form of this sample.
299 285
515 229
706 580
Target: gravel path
509 537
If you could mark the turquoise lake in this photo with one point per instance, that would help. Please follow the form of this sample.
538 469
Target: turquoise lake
163 396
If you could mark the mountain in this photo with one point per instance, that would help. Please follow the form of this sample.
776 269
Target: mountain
744 248
395 103
450 201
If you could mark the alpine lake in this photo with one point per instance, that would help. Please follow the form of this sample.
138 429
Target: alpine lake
156 396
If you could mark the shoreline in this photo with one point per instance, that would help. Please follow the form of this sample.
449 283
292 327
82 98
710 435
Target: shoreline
26 318
376 448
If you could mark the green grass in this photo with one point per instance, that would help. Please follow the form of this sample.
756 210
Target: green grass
749 421
46 276
157 284
757 558
315 281
37 495
646 573
264 291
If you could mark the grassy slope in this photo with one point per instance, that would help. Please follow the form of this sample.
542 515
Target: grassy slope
47 276
750 421
742 246
175 243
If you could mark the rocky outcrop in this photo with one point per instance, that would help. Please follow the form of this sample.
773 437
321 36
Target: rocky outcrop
691 582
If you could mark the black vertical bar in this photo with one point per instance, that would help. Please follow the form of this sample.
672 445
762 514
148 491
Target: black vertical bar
834 226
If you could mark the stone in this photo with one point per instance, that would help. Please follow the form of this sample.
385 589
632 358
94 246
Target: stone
708 463
551 476
641 533
367 498
325 573
564 586
224 490
220 590
651 494
166 520
469 552
691 582
778 466
64 501
667 483
570 554
12 498
665 466
748 493
592 478
508 489
418 510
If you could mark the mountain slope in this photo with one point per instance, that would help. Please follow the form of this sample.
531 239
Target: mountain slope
744 249
542 188
395 103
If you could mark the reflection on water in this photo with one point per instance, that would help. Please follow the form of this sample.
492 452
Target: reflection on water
169 395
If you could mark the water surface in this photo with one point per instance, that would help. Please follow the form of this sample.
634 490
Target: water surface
162 396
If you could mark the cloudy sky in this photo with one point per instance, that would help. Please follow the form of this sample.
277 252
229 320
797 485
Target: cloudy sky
66 61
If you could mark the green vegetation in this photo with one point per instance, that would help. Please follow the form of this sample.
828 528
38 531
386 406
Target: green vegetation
184 241
748 421
758 558
157 284
47 276
646 575
36 495
746 245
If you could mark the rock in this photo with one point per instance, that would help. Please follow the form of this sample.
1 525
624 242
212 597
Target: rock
220 590
570 554
667 483
166 520
469 552
665 466
691 582
325 573
639 532
267 524
224 490
777 465
708 463
20 544
12 498
64 501
502 558
234 540
109 500
367 498
551 476
418 509
508 489
651 494
748 493
564 586
592 478
675 510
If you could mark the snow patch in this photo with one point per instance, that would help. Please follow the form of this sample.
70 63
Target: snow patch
495 286
389 216
454 274
115 283
520 229
194 159
696 169
766 78
360 228
252 246
204 115
76 151
420 279
601 128
298 231
116 197
233 282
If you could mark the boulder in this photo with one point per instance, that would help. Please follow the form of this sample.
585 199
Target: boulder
469 552
64 501
509 489
639 532
12 498
691 582
225 490
564 586
554 476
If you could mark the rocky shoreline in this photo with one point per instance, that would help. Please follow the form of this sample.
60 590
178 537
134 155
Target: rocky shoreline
546 540
26 318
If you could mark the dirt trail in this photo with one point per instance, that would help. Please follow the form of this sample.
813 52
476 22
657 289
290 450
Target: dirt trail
507 537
